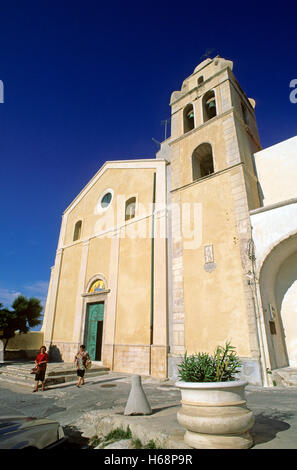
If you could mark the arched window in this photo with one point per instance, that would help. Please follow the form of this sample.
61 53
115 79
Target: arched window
97 286
202 161
188 118
130 208
77 230
200 80
209 106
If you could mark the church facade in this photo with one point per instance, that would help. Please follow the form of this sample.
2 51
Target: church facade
185 251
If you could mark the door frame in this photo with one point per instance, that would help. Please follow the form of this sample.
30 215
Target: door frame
85 341
92 299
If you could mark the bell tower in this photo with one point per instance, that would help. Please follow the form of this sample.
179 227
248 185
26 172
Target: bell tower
213 186
212 107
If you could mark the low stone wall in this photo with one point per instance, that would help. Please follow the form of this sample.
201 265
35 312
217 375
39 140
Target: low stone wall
19 354
161 427
24 346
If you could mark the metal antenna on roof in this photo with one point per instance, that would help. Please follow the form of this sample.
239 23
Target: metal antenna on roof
156 142
165 122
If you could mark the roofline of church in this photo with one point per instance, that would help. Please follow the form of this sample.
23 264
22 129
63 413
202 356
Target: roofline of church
107 165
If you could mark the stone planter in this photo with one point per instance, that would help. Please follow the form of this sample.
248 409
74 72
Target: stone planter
215 415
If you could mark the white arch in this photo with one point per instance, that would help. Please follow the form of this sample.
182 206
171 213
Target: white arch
272 246
96 277
268 276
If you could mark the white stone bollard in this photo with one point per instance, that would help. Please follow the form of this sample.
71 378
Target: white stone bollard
137 403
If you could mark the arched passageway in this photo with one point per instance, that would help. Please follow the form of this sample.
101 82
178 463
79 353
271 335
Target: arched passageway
278 286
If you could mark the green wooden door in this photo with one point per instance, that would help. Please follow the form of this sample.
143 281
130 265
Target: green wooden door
94 323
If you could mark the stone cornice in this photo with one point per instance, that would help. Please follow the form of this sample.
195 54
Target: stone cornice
206 178
287 202
94 294
207 123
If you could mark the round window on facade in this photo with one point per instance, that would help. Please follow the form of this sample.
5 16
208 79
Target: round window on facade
106 200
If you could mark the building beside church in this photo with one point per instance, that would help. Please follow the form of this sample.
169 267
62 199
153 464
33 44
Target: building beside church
182 252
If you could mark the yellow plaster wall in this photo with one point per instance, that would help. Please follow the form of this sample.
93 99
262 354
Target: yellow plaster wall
31 340
125 183
195 97
239 97
67 291
98 258
215 308
133 300
213 134
133 296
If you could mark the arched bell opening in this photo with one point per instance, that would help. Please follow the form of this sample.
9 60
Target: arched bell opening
189 122
202 161
209 106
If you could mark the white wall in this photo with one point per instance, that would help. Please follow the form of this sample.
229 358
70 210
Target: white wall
286 298
272 226
274 233
277 171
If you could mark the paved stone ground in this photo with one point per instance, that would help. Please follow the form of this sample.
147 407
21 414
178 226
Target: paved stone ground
275 408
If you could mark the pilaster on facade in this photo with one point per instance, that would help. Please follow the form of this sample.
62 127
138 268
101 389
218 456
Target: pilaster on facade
50 318
242 219
50 286
81 289
110 320
178 308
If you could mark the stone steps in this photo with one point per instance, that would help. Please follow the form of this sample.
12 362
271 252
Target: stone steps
285 377
57 373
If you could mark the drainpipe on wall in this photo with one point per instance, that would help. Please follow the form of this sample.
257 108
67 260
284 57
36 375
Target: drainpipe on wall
257 309
152 271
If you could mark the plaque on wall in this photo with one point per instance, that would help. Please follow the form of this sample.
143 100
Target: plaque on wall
209 265
208 254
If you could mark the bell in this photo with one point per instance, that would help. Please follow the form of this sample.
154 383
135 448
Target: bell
211 104
190 115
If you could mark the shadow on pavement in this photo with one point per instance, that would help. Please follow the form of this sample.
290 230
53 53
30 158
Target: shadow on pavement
268 426
75 439
154 410
87 382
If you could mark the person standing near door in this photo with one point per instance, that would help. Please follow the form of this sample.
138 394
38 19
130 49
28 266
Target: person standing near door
81 359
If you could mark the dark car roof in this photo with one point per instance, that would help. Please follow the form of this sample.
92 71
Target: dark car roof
12 423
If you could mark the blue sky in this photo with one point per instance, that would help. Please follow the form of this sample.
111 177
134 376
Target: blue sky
86 82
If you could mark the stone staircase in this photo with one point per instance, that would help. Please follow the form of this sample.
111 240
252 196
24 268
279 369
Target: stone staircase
285 377
18 372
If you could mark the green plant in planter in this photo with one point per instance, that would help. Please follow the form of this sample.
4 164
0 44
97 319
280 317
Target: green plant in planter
222 366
